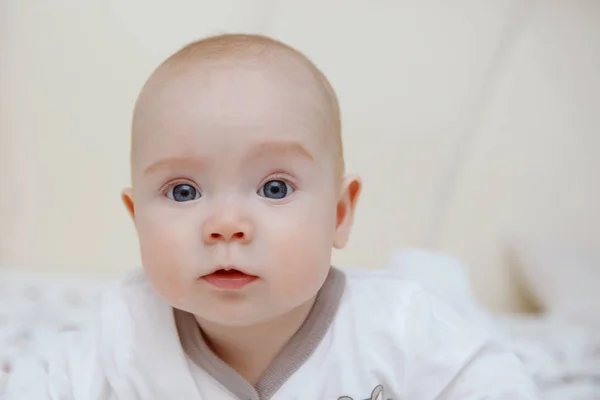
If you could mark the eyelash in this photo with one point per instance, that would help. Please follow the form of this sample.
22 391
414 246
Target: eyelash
165 189
279 177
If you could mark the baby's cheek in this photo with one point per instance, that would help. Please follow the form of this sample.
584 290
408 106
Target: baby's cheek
300 273
298 236
313 228
163 256
302 249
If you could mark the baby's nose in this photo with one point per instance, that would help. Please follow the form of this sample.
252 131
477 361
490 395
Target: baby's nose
227 227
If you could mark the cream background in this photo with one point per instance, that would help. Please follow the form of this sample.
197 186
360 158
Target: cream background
474 124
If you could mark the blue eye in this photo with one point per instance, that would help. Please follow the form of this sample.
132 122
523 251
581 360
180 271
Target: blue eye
183 192
275 189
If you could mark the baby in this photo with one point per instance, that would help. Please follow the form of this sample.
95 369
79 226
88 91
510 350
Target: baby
238 197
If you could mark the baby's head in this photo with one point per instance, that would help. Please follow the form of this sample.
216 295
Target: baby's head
237 166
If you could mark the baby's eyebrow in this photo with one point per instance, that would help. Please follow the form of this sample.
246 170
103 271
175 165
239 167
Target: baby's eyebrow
279 148
177 161
265 149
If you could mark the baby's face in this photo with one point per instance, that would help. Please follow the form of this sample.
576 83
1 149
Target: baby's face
231 172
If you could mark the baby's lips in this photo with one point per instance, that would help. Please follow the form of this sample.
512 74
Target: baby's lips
230 279
228 268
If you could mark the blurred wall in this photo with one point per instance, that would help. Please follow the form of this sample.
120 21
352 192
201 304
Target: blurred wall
473 123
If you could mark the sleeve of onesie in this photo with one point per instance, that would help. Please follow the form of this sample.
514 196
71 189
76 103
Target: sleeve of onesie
449 358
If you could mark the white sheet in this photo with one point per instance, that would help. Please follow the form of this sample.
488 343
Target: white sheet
562 356
36 308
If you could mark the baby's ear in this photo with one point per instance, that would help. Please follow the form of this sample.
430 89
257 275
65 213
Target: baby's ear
127 198
346 206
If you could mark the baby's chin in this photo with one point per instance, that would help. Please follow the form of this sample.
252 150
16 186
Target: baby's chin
239 316
234 320
246 312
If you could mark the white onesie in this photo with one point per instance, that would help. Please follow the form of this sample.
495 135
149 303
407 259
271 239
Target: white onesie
370 335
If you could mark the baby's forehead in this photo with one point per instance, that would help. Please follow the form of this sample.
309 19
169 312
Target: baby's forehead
218 91
244 59
219 80
232 151
223 97
236 98
214 81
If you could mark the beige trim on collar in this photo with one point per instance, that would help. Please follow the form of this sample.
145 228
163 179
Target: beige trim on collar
290 359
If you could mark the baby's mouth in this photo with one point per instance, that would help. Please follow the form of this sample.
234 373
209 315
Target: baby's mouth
229 273
229 279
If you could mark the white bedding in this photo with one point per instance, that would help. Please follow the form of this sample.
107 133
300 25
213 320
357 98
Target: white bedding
563 357
36 308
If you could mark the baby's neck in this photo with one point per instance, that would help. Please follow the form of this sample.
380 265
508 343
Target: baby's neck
250 350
